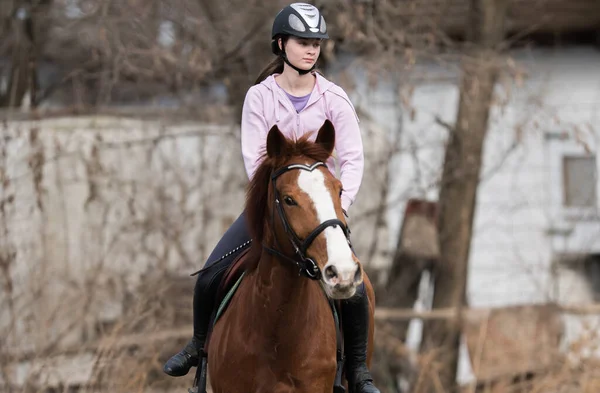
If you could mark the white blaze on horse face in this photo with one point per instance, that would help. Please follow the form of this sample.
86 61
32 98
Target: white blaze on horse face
339 254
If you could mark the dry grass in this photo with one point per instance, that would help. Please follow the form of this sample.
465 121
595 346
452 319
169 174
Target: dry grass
123 362
573 371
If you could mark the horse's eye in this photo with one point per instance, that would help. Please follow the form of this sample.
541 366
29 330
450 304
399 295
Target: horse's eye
342 190
289 201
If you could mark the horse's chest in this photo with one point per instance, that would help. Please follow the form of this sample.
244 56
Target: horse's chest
275 348
286 357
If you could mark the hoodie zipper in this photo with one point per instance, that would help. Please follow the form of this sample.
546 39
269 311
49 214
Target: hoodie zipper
291 105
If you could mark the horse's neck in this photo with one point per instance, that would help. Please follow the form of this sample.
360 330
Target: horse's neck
277 280
283 291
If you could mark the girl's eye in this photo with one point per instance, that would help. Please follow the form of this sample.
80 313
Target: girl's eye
289 201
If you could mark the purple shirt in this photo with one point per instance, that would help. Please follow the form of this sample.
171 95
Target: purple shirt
299 102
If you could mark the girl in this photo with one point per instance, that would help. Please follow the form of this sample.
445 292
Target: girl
292 95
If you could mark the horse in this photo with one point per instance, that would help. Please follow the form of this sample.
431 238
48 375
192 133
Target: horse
278 333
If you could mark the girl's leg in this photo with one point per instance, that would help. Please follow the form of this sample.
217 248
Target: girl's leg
355 322
229 247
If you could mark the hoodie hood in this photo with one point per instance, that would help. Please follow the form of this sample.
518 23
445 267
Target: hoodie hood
321 87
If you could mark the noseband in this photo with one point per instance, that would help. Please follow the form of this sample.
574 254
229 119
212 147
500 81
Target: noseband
307 265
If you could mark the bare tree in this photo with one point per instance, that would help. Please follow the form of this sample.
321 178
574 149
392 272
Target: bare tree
102 52
21 20
460 178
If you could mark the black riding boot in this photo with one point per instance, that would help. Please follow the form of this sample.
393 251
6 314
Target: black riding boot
180 364
355 321
204 295
204 299
234 241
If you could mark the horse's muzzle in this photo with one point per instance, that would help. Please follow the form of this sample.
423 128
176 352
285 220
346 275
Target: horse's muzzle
341 280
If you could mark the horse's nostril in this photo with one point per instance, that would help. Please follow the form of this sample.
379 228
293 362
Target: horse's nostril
331 272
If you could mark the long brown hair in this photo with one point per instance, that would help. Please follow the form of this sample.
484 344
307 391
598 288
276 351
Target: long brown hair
274 67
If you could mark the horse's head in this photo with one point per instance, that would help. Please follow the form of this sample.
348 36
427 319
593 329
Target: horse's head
294 210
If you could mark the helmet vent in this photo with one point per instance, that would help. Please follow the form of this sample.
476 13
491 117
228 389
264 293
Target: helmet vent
296 23
308 12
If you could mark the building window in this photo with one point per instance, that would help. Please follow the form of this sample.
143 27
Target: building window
579 181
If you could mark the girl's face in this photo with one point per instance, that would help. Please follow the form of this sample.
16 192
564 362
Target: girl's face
302 52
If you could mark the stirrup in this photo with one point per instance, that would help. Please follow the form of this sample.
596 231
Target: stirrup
338 386
199 385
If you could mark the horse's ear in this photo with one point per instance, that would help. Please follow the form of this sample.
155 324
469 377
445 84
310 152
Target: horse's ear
326 136
276 142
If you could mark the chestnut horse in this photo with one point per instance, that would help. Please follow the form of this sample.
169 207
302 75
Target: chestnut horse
278 333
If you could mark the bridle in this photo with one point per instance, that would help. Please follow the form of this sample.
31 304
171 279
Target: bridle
307 265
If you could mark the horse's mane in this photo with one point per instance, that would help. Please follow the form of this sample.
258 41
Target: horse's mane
257 194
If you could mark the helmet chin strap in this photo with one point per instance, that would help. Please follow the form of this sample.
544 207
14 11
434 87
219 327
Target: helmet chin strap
300 70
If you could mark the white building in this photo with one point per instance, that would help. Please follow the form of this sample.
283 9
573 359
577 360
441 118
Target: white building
537 206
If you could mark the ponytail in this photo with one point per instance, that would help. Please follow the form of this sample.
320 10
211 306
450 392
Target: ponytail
274 67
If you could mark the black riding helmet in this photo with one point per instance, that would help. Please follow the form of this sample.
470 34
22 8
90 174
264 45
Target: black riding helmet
299 20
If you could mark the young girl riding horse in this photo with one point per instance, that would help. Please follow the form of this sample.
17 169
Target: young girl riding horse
291 95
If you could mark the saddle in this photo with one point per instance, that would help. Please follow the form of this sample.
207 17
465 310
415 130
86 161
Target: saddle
229 283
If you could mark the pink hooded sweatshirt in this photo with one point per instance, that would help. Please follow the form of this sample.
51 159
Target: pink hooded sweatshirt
266 104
